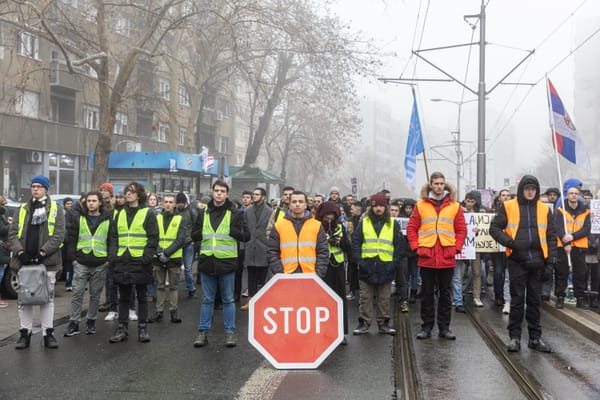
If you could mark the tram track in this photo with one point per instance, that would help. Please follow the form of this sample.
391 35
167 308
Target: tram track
525 380
407 380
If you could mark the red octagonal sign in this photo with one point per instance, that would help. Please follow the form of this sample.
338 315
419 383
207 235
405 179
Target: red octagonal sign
296 321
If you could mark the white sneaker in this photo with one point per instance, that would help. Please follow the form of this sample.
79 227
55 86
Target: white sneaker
132 315
111 316
477 302
506 308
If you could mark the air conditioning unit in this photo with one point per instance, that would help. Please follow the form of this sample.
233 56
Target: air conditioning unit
34 157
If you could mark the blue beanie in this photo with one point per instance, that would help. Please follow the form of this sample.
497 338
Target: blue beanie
41 180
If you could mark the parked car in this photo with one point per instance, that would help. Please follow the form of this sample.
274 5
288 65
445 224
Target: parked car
59 198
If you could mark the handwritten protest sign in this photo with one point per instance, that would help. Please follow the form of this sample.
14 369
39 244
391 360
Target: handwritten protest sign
595 215
468 250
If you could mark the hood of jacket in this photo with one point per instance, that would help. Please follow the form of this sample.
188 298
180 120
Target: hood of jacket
448 190
528 180
570 183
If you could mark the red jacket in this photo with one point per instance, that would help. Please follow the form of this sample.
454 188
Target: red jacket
437 256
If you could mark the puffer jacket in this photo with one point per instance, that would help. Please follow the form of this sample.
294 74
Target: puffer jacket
50 244
437 256
526 246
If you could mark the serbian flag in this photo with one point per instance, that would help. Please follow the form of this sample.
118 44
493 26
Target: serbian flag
565 139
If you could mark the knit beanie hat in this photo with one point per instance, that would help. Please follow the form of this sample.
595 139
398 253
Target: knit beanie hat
108 187
378 199
334 189
181 198
41 180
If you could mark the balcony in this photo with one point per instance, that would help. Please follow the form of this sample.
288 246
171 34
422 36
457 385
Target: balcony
60 76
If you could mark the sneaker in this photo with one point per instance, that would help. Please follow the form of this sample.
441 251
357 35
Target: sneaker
192 294
477 302
201 340
230 340
132 315
560 302
361 329
404 306
350 296
447 334
246 306
90 327
424 334
69 289
513 346
539 345
506 309
384 329
111 316
3 304
460 309
245 293
72 329
104 307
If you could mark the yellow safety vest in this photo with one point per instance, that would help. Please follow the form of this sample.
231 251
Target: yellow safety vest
165 239
298 249
512 223
436 226
97 242
336 251
51 219
133 237
218 244
381 246
574 225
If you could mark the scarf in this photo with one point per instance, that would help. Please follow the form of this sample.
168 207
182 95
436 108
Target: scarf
39 215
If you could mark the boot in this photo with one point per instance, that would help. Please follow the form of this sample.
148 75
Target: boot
24 340
174 317
362 328
120 334
412 298
143 333
158 317
560 302
499 299
49 340
581 303
385 329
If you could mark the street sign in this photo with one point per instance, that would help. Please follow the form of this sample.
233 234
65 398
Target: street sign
296 321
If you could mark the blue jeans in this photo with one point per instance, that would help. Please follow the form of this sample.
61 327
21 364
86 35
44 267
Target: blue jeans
188 259
499 260
457 278
225 283
2 266
412 272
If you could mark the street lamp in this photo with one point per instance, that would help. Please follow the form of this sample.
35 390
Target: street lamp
459 155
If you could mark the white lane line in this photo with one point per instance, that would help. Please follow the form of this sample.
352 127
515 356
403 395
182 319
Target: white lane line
262 384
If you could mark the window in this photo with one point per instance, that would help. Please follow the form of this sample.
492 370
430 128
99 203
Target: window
91 117
120 127
29 45
182 135
184 98
27 103
222 144
123 26
164 89
163 132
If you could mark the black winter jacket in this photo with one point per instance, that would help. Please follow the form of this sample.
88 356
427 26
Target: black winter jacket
526 245
560 223
237 229
89 260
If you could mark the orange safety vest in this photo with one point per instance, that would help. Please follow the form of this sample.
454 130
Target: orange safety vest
436 226
298 249
574 225
513 218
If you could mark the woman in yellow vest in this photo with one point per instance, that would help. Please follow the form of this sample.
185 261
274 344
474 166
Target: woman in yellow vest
339 249
36 238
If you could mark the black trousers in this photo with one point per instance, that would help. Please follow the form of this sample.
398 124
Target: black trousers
336 280
125 302
239 272
353 277
525 289
256 278
580 272
401 285
442 279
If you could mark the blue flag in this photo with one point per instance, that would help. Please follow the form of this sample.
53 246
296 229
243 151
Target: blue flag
414 146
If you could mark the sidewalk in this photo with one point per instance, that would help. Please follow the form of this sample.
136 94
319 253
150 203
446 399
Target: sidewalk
9 316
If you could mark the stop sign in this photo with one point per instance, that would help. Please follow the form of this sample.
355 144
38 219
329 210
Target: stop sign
296 321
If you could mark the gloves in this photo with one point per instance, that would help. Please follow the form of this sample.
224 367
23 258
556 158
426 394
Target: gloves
41 257
162 258
25 259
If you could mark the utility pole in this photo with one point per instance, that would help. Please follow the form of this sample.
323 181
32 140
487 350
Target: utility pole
481 92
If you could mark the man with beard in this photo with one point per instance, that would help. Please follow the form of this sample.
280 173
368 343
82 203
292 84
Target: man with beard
525 226
280 212
377 247
436 232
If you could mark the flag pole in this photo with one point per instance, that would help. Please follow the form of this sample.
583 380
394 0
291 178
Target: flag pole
555 145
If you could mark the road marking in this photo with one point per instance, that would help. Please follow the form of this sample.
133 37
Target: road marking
262 384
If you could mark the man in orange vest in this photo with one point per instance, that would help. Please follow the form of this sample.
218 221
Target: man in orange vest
436 231
573 242
525 226
298 243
